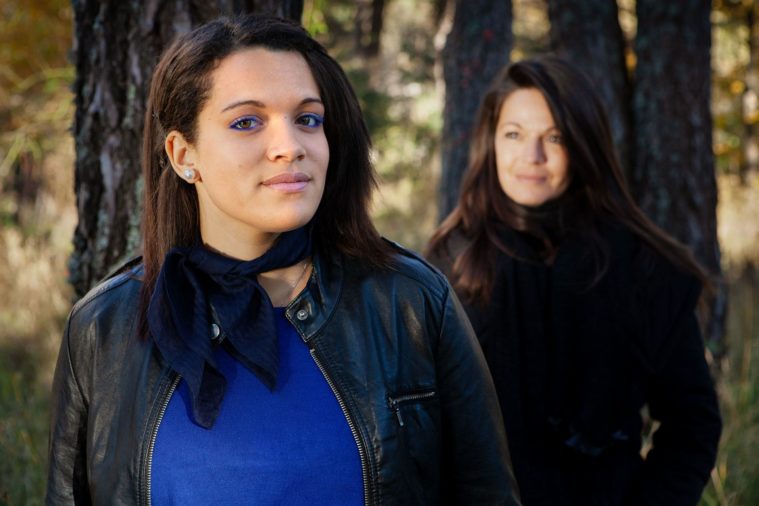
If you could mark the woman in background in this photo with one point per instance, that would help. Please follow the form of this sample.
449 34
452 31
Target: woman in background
584 308
270 347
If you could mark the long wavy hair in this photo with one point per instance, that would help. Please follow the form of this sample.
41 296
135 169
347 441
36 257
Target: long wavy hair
597 186
180 88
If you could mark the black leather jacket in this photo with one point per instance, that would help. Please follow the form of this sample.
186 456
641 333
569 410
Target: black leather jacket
394 345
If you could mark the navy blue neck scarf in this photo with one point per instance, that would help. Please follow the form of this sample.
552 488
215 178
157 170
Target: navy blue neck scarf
193 283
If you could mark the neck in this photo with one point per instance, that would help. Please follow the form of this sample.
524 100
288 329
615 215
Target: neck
241 247
232 238
282 285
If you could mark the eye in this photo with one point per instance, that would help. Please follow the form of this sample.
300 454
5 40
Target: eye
555 139
245 124
310 120
512 135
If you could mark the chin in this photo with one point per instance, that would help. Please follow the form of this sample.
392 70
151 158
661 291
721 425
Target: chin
288 223
529 200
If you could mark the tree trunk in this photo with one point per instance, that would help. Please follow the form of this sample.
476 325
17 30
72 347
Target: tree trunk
750 98
673 176
589 36
477 46
369 20
116 46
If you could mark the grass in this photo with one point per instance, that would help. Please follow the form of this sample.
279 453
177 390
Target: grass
735 479
23 431
33 307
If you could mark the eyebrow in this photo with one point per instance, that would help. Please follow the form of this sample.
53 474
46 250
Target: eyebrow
514 123
258 103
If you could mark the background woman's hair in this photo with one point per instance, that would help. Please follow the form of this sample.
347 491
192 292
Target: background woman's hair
597 186
179 89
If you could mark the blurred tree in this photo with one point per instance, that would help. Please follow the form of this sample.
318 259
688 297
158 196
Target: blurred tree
116 47
750 97
673 174
589 36
477 46
368 27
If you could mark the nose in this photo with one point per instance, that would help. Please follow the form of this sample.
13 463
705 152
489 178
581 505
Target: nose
284 142
535 152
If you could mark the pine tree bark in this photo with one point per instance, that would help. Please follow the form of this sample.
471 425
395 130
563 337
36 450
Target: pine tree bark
477 46
750 98
116 46
590 37
673 176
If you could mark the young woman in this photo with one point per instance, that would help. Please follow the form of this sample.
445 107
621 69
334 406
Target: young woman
584 308
270 347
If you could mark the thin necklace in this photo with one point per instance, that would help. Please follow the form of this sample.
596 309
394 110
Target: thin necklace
297 281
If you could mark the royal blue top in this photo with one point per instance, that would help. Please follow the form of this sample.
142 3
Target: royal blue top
289 446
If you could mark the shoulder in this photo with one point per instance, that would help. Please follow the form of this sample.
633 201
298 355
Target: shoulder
651 274
410 264
116 297
667 285
99 324
407 270
444 256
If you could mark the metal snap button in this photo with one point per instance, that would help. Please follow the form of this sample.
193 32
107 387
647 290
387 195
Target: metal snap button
215 331
302 314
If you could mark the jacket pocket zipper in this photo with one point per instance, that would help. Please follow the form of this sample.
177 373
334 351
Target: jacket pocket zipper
395 402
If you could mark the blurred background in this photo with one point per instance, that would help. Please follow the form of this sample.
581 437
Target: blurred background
401 88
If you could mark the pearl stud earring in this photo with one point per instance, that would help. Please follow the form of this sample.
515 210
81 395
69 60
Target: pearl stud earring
189 174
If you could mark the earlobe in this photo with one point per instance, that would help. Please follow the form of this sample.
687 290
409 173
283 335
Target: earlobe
182 156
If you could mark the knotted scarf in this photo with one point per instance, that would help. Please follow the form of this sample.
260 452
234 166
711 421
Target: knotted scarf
195 283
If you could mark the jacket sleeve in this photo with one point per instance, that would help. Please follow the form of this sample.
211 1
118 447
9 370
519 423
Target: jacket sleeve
67 474
682 398
476 467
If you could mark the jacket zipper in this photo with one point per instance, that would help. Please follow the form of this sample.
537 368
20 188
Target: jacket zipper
351 424
148 462
395 402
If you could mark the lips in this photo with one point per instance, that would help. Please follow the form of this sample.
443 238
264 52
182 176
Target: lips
287 182
531 178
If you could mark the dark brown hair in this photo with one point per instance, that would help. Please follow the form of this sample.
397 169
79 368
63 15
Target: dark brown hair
180 87
597 187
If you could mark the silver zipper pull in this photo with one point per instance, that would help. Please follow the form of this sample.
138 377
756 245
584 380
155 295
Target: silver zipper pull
397 408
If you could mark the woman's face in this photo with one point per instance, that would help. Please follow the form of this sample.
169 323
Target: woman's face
530 155
260 156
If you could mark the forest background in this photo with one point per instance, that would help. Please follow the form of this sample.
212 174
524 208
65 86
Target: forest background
397 64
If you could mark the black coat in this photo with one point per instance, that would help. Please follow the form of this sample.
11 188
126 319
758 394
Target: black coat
574 366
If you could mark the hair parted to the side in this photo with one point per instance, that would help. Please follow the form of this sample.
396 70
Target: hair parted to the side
597 186
180 88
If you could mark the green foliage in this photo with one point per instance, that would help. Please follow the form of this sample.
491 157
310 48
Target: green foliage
731 94
34 36
313 17
374 103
